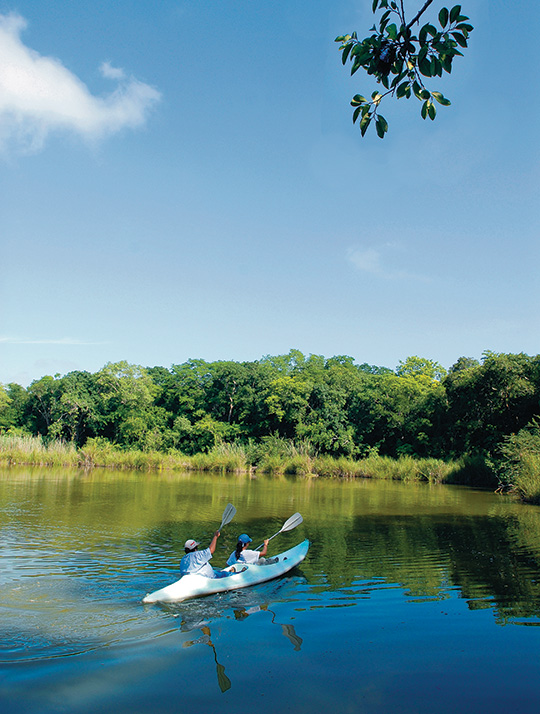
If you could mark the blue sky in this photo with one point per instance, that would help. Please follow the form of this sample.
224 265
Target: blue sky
183 179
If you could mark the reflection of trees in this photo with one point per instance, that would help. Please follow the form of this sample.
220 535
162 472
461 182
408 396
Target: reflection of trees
429 539
494 561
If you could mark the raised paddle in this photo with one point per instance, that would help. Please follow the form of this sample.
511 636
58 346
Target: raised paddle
228 515
289 524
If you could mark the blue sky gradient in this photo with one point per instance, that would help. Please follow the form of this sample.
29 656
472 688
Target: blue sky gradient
192 186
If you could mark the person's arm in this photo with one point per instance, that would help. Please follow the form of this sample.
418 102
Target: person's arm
213 542
265 548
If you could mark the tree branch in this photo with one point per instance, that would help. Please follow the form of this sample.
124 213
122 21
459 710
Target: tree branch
419 14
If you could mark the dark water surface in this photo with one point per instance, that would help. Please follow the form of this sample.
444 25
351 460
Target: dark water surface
412 598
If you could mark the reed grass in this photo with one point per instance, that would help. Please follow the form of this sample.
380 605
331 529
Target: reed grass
526 478
282 457
34 451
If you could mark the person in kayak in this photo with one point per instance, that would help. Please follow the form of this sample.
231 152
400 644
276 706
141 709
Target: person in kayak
243 555
197 561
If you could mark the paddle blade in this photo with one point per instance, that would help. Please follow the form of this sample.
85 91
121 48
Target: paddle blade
289 524
292 522
223 681
228 515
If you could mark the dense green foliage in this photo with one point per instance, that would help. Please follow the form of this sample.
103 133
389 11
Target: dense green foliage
400 60
321 406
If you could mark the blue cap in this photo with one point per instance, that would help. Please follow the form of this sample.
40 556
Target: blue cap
244 538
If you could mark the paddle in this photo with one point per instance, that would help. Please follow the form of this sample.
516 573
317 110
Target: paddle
228 515
289 524
223 681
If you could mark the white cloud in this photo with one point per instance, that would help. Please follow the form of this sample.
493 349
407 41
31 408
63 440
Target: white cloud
378 262
38 95
368 260
107 70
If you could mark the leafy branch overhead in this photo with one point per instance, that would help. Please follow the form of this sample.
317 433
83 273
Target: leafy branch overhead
400 60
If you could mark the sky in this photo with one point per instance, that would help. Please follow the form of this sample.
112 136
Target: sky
183 180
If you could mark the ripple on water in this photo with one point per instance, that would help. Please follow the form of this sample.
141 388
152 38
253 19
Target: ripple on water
52 609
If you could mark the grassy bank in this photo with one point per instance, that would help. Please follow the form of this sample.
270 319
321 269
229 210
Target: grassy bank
272 458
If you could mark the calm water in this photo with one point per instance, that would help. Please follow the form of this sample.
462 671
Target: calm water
412 598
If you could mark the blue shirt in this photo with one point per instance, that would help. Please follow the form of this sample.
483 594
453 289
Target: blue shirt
197 562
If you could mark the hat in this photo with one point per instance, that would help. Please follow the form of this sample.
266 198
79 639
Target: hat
244 538
190 544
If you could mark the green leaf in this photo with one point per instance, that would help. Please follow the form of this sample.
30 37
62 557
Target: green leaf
431 111
462 42
391 31
366 119
424 65
375 4
358 99
443 16
447 63
441 99
432 30
382 126
345 53
402 90
423 111
356 114
455 12
397 79
384 19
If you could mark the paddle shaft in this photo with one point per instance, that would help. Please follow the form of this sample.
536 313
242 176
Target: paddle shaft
289 524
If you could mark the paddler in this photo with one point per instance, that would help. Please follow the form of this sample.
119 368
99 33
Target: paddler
243 555
197 561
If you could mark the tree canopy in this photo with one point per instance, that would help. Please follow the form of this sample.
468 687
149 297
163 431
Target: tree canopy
337 406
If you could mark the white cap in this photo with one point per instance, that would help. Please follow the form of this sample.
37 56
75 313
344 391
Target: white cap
190 544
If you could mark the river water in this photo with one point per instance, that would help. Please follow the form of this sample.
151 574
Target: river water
413 598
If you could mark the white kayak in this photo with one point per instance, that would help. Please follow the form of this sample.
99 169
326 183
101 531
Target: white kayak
193 585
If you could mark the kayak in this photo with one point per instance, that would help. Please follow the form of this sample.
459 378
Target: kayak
193 585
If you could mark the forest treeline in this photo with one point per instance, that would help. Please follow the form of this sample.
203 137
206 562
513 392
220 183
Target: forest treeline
333 406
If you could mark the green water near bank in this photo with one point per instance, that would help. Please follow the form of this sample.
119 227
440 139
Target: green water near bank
413 598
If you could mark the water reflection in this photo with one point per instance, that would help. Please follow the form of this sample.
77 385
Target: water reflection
202 615
224 682
96 539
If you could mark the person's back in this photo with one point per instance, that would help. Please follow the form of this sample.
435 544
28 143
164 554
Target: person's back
197 562
243 555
